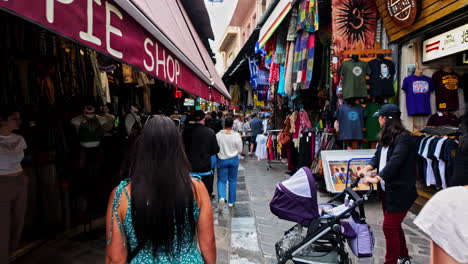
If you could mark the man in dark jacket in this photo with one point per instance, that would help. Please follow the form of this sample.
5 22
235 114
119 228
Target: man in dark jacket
200 144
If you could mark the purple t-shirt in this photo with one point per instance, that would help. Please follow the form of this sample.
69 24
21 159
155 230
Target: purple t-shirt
418 94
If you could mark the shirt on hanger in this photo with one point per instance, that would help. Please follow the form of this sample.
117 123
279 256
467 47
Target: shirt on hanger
372 122
351 120
381 77
354 78
446 88
441 162
418 94
430 179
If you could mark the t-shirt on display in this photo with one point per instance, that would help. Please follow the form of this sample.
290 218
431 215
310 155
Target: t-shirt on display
446 87
351 120
381 77
418 94
11 154
354 78
372 122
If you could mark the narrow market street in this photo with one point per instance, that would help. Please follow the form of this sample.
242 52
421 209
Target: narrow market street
245 234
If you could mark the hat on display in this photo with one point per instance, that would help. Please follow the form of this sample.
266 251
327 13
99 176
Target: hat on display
388 110
198 115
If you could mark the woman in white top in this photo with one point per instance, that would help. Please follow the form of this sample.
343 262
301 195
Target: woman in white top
13 182
230 146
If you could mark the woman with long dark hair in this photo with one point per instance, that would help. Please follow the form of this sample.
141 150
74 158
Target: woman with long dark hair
395 162
160 213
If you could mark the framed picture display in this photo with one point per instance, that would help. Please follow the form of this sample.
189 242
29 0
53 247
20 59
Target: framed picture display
340 167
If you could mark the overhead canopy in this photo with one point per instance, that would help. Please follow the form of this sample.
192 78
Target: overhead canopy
168 21
160 41
274 21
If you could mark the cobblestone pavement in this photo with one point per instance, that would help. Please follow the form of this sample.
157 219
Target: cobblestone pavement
244 234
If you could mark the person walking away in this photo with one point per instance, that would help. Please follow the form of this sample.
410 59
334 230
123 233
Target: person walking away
200 144
396 178
221 119
215 123
13 182
443 216
160 214
246 133
238 123
256 129
230 146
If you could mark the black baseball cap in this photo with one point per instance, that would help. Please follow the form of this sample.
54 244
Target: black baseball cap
389 110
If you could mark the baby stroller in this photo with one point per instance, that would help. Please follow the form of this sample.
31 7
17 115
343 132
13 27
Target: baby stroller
322 231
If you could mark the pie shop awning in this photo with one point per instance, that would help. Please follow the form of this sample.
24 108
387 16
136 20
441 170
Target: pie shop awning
120 29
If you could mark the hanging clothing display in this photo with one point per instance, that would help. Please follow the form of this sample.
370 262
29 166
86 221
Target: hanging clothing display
418 94
351 122
446 89
303 60
381 77
253 69
288 87
354 78
372 122
443 119
307 19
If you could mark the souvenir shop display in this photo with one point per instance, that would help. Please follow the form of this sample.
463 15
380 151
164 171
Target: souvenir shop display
354 73
436 161
381 77
418 89
446 83
350 118
372 122
339 166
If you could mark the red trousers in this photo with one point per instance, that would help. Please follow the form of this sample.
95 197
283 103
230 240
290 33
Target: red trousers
394 237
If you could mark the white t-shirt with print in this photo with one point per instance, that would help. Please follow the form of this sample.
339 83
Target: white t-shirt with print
11 153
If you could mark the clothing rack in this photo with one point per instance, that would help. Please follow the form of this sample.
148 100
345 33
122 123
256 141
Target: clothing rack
273 132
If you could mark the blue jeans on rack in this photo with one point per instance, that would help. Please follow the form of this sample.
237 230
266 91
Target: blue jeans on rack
227 172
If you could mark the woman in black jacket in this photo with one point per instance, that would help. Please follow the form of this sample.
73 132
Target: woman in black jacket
395 162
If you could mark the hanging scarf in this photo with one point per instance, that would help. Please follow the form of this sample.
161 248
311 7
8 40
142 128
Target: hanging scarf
303 60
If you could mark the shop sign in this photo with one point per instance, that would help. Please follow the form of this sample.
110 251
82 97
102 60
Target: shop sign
449 43
402 12
103 26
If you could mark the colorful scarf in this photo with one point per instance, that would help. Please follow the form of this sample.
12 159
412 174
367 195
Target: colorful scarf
303 60
307 19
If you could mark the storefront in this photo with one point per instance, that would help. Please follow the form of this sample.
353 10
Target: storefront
432 46
53 65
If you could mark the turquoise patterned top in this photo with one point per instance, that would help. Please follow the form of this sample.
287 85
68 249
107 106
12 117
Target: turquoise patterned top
189 252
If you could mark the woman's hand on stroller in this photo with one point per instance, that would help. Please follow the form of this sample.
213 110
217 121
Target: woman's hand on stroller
370 180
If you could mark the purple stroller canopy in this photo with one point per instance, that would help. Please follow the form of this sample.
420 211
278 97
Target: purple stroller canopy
296 198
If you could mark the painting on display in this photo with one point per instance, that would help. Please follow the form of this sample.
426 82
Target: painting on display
340 168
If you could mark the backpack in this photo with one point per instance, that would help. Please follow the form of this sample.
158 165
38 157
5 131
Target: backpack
90 130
